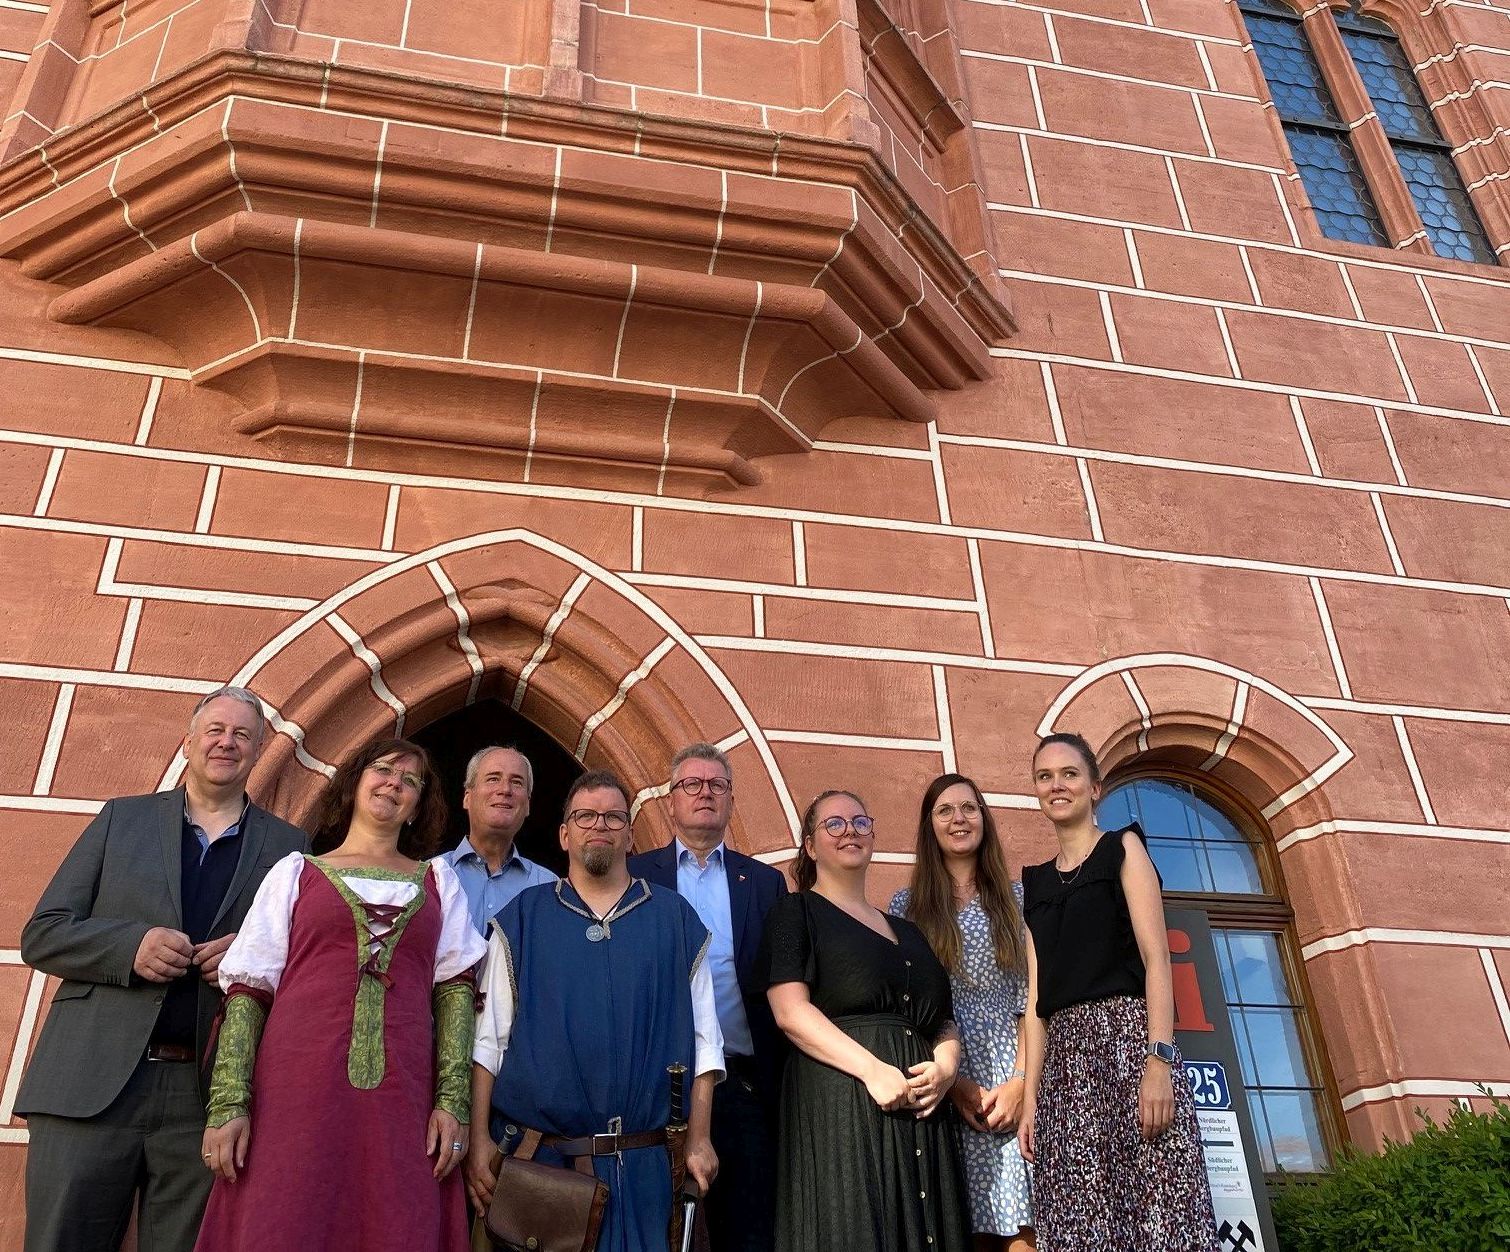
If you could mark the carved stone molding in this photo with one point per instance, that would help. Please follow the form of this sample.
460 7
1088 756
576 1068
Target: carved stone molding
358 255
549 356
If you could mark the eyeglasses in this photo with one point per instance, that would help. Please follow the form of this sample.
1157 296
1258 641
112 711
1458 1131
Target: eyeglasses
969 810
695 786
388 773
836 826
586 819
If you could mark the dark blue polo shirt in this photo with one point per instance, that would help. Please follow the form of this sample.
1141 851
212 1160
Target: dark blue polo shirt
206 870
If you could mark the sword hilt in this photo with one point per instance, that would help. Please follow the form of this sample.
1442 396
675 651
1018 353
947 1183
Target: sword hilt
678 1094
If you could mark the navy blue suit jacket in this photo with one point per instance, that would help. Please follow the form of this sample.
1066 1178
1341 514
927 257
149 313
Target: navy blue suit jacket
753 888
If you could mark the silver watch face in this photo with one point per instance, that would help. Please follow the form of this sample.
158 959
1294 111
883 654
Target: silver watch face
1164 1051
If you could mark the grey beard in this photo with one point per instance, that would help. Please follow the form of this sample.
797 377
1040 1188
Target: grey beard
597 860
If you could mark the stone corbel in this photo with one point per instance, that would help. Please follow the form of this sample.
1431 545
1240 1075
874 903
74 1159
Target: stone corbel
363 258
600 372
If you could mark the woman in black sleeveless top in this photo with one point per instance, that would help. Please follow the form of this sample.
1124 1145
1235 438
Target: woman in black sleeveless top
1107 1116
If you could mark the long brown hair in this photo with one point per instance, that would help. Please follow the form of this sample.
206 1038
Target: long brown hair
931 902
805 872
418 837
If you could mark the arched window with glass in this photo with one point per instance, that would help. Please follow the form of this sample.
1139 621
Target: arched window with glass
1213 856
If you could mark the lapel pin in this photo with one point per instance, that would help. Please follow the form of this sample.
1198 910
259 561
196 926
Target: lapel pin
741 878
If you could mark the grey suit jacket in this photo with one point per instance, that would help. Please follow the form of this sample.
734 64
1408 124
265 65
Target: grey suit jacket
123 877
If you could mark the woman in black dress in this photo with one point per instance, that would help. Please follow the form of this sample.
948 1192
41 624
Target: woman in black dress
868 1162
1107 1117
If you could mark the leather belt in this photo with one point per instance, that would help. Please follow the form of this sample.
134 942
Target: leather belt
604 1145
169 1052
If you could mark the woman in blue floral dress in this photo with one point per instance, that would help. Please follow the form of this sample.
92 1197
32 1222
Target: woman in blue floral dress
966 904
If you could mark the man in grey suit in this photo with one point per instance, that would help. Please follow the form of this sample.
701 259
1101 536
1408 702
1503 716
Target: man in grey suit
135 922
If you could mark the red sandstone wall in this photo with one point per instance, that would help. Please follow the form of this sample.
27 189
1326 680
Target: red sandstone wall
1233 490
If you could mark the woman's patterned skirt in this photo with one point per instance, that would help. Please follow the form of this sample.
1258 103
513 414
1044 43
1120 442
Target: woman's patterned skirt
1097 1184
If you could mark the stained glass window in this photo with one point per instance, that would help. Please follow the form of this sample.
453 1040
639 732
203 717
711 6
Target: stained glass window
1300 92
1320 139
1334 180
1425 159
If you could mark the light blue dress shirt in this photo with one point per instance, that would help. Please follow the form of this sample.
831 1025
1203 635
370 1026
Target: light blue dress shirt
487 892
706 889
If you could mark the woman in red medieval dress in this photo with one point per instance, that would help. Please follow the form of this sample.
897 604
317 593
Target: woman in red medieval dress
347 1033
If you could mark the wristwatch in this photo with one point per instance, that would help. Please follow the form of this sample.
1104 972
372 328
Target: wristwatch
1162 1051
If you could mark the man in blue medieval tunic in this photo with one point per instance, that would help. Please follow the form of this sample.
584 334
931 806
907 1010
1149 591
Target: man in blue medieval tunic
594 987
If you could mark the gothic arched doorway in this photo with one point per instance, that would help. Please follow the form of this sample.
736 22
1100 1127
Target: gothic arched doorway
453 739
579 653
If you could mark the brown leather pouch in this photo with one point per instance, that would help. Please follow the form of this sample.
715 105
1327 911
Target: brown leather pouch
545 1208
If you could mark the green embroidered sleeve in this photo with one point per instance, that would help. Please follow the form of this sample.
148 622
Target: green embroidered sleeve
236 1053
454 1019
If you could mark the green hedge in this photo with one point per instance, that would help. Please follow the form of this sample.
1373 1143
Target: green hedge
1447 1189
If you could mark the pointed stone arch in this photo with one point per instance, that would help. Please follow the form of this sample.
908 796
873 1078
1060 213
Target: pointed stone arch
570 645
1208 715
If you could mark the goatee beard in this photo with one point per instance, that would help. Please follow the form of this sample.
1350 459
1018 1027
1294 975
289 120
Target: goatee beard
597 860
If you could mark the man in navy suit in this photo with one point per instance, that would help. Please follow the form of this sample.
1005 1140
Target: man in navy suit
732 893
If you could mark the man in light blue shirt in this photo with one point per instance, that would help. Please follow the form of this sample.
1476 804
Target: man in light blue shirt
732 893
702 880
499 782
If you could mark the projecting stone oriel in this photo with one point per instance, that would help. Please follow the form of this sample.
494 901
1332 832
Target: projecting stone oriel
543 268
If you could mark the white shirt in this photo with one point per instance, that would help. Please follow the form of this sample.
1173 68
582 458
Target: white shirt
260 951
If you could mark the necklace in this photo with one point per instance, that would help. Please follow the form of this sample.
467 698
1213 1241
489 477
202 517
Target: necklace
1079 865
601 928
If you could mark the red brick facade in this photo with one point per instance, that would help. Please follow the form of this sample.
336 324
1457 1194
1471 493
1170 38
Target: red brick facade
868 385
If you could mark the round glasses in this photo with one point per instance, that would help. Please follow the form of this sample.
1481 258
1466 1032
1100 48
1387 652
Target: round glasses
969 810
696 786
391 773
586 819
836 826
